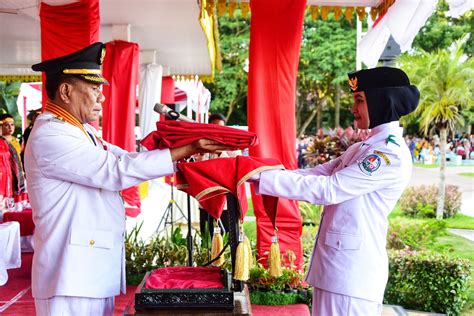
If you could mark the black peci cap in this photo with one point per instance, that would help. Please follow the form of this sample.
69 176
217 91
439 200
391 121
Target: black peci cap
376 78
84 63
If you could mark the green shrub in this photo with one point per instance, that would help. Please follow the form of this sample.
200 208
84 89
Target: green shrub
413 234
261 280
421 201
310 213
427 282
289 288
272 298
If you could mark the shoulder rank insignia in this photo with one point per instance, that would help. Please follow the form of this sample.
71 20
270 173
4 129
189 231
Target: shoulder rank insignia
370 164
384 157
391 139
57 119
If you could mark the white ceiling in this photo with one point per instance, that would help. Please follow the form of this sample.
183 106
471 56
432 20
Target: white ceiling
169 28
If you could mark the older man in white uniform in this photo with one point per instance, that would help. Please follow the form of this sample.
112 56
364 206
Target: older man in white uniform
349 266
74 179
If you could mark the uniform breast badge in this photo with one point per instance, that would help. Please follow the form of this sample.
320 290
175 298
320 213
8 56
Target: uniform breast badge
370 164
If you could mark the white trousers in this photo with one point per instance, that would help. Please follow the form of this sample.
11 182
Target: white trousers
72 306
332 304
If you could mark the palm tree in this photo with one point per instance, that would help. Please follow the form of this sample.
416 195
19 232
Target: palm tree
445 79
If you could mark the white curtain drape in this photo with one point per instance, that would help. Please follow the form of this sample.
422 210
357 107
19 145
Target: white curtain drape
403 20
149 93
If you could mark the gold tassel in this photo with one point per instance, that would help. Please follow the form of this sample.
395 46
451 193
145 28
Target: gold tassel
216 247
249 249
241 260
274 259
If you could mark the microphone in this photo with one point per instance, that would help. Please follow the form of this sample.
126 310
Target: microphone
172 114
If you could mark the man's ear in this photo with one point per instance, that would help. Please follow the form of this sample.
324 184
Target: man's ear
64 90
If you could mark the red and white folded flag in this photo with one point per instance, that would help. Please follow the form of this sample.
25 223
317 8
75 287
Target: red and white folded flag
171 134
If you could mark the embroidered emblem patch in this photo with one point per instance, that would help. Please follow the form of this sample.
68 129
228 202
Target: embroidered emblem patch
384 157
370 164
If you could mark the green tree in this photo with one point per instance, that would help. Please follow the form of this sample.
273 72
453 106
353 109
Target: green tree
441 31
327 54
229 88
446 80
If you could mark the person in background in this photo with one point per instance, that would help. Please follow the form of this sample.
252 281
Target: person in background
18 200
32 118
74 179
8 129
349 265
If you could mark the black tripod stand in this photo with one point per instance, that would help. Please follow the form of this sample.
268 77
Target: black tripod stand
167 218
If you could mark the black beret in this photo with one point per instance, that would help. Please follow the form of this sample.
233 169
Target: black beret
84 63
375 78
388 92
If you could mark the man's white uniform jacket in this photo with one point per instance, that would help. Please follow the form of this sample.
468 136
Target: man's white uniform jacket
359 189
73 185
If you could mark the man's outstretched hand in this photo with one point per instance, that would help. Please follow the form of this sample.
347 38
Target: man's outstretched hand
202 145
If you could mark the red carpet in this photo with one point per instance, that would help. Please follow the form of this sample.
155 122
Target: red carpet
16 299
280 310
15 296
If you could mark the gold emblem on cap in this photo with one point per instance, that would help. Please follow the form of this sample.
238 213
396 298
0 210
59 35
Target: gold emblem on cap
353 83
102 56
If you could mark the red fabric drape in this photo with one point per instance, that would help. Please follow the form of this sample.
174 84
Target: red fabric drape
118 115
209 180
275 37
68 28
167 90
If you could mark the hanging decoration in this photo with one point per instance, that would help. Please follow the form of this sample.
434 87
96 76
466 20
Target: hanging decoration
21 78
317 11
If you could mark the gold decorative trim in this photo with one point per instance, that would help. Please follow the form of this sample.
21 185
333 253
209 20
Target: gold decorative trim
258 170
82 71
209 190
20 78
316 11
96 79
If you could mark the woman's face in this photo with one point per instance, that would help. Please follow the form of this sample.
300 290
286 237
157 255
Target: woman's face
8 128
360 111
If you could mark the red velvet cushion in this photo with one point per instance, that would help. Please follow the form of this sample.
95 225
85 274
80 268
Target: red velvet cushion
185 278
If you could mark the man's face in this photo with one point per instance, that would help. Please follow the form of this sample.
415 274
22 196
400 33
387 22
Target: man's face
360 110
8 128
86 100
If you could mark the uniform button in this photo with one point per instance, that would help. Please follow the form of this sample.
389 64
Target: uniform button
92 242
339 244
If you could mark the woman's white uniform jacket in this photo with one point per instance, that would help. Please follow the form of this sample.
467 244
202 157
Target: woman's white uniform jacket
73 184
359 189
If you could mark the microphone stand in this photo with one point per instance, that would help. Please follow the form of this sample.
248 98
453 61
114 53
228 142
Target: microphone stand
173 115
190 236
